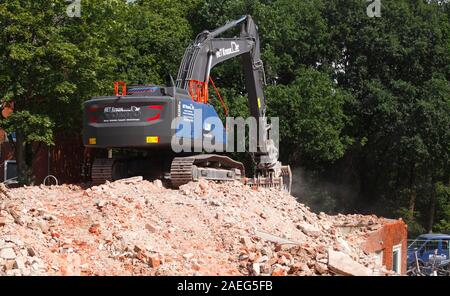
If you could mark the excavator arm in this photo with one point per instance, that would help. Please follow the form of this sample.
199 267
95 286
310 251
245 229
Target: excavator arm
207 51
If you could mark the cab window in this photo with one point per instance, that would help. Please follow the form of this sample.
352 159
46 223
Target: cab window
416 244
432 245
446 247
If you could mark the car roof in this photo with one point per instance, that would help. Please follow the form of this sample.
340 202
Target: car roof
434 236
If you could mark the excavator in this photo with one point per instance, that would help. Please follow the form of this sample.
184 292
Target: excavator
131 133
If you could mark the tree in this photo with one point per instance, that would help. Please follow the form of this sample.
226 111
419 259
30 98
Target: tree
443 209
50 63
396 66
312 117
153 43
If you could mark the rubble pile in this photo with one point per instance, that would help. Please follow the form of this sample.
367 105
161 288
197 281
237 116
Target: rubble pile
137 227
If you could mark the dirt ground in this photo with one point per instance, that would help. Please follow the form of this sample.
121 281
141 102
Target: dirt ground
137 227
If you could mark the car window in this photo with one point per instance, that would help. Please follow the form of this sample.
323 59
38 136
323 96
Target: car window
432 245
416 244
445 244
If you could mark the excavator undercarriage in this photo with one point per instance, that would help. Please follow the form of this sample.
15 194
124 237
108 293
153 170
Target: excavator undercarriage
192 168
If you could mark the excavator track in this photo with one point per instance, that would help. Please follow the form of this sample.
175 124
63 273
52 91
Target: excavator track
221 168
181 171
206 166
102 170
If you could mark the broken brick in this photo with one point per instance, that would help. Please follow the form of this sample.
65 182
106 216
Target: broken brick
256 269
18 263
7 253
138 248
2 221
150 228
154 261
341 263
188 256
279 271
31 252
247 242
55 234
320 268
181 225
95 229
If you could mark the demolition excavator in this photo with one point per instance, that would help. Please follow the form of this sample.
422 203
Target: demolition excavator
132 132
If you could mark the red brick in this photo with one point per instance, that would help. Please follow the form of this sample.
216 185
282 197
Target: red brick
55 234
95 229
154 261
2 221
278 271
391 234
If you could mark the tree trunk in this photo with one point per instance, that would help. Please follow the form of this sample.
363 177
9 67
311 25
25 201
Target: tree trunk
412 198
432 208
412 203
22 158
29 155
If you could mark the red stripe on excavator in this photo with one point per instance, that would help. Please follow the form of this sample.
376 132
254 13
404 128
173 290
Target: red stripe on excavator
158 107
156 117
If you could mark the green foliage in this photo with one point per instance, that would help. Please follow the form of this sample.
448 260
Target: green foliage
311 116
414 227
37 128
48 57
50 63
443 208
153 40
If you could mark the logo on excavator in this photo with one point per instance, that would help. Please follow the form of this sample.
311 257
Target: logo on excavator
227 51
113 114
113 109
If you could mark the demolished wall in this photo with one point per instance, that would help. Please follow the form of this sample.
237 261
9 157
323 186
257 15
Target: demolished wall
135 227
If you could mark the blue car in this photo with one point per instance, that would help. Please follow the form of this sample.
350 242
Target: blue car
429 245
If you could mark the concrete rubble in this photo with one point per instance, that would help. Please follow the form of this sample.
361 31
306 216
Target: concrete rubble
137 227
